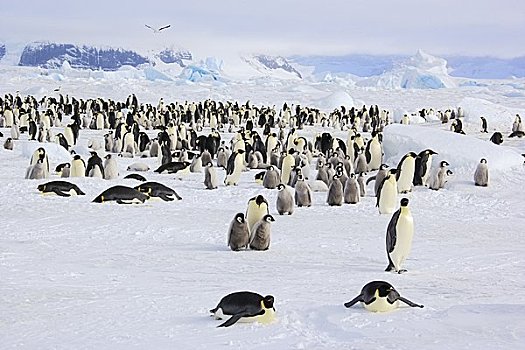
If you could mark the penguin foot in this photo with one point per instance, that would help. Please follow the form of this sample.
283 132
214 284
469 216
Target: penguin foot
401 271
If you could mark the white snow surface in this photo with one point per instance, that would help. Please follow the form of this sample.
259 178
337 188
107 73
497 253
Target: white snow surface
80 275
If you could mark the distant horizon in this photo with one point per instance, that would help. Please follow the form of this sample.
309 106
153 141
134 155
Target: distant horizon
143 49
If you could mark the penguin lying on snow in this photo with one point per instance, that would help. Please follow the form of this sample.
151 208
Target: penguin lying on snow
60 188
380 296
155 189
122 195
173 167
244 307
135 177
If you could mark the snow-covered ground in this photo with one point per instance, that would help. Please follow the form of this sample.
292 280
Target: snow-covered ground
80 275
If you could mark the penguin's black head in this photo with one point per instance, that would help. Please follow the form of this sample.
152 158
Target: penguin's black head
449 172
268 218
239 217
404 202
76 157
483 160
268 301
412 154
393 171
444 163
384 289
260 199
383 166
41 188
280 187
108 156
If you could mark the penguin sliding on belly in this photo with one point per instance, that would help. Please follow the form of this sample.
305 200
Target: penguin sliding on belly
245 307
60 188
380 296
155 189
122 195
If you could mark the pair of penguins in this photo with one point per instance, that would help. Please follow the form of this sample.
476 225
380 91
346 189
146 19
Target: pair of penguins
245 306
376 296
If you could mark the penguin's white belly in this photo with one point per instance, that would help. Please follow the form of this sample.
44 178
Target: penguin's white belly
404 232
381 305
404 183
77 170
387 200
267 317
375 152
255 213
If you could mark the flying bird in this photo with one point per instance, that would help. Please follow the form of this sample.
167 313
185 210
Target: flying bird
157 30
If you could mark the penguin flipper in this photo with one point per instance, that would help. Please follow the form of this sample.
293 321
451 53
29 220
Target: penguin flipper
410 303
232 320
370 179
391 234
165 197
357 299
61 194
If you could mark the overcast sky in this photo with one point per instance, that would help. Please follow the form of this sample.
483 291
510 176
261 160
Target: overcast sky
469 27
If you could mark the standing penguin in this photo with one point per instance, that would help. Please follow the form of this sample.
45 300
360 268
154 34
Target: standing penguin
399 237
483 125
287 166
238 233
335 192
405 172
378 178
271 178
373 152
481 175
380 296
351 192
36 171
362 185
285 202
8 144
257 208
387 193
260 234
196 164
438 178
422 167
210 177
95 168
110 168
234 168
303 193
40 153
78 167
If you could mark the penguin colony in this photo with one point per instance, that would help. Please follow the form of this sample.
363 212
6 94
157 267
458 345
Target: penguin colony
279 154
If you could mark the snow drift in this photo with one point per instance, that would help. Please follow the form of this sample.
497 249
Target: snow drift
463 152
498 117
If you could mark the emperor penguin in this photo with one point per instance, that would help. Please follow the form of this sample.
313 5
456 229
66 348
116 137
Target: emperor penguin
244 307
483 125
234 168
438 178
303 193
36 171
362 185
374 152
380 296
110 167
422 167
65 171
196 164
271 178
351 192
222 158
285 200
378 178
335 192
94 167
257 208
40 153
8 144
287 166
399 237
210 177
78 167
261 232
387 193
15 131
360 163
481 175
405 172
